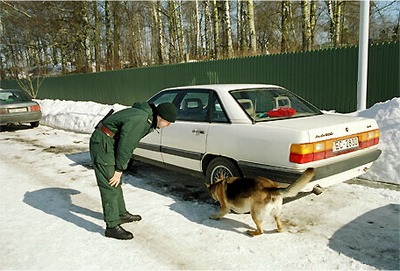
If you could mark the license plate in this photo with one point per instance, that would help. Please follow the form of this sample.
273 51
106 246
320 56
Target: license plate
18 110
345 144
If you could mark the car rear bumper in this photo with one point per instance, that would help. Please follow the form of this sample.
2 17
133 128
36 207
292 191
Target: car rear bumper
20 117
284 175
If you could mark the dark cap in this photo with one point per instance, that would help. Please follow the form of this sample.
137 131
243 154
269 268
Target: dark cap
167 111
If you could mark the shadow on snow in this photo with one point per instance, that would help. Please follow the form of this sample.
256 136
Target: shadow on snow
57 202
373 238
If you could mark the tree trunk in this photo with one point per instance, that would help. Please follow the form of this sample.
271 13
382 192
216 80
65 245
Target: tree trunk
96 34
207 28
306 25
81 25
335 16
216 51
172 29
285 26
252 28
239 32
313 20
109 45
116 35
228 30
160 46
181 36
198 53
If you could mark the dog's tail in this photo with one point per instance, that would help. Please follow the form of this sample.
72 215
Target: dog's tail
293 189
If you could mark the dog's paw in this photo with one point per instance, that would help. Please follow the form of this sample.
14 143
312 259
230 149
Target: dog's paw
215 217
254 233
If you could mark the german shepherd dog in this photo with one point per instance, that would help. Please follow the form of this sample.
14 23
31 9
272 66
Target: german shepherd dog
257 195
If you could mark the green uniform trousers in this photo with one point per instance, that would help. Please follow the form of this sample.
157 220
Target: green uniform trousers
112 199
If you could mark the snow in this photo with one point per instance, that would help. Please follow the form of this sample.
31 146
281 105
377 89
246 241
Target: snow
52 220
387 115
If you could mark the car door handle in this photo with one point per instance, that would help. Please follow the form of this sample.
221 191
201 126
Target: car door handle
197 132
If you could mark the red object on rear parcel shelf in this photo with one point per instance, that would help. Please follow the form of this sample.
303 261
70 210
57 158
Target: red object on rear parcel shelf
282 112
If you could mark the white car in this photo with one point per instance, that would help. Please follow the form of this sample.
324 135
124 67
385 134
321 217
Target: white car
256 129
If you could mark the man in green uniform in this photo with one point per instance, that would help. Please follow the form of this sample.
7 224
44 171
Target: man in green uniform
111 147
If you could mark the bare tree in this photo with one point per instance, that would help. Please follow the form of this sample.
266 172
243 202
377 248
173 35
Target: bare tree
70 36
308 10
216 51
172 31
197 31
208 37
228 43
252 28
96 36
109 45
158 33
28 83
285 22
239 26
116 35
336 21
181 36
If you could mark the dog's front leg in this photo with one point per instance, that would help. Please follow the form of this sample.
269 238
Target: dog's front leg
223 211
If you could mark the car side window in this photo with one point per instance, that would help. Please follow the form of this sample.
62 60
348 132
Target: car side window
164 97
218 114
194 106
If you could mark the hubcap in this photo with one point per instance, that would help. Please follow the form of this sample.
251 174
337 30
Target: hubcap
221 170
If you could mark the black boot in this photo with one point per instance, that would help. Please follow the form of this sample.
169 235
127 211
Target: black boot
128 218
118 232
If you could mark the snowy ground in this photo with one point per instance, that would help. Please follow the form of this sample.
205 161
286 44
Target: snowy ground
51 213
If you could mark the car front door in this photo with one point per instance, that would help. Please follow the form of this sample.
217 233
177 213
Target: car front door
149 148
184 142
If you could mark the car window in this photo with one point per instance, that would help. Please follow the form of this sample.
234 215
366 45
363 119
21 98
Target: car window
164 97
9 97
218 114
272 103
194 106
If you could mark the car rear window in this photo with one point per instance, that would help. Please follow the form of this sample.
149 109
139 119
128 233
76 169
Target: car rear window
263 104
12 96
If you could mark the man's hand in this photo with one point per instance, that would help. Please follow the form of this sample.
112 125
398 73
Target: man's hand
114 181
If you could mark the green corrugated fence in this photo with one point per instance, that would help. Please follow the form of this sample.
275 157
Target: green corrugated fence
327 78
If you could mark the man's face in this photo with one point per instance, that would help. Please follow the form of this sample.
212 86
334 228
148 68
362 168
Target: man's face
162 123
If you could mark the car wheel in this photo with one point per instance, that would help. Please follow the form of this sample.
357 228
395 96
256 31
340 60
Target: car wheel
221 166
34 124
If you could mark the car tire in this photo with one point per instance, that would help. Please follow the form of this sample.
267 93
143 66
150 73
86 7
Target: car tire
220 166
34 124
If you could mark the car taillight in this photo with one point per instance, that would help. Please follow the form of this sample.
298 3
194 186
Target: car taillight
34 108
309 152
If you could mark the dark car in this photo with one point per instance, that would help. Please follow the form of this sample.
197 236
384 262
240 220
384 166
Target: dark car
16 106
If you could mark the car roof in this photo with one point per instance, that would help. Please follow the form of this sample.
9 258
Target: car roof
224 87
10 89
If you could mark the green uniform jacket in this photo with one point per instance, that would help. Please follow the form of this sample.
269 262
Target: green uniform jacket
129 126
